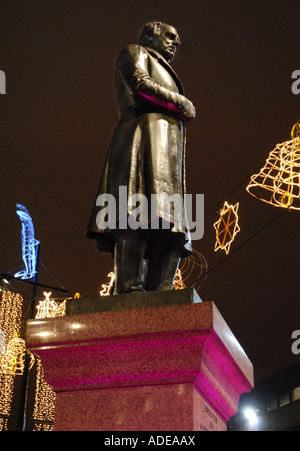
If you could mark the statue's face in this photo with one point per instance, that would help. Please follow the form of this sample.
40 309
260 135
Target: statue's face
166 42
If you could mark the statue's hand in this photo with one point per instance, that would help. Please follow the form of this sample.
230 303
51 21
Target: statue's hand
187 108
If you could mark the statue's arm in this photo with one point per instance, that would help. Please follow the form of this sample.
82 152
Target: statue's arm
133 62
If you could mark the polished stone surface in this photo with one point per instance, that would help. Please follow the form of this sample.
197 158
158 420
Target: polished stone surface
130 301
128 369
172 407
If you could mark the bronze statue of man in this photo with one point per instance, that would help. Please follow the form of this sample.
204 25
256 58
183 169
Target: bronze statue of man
146 158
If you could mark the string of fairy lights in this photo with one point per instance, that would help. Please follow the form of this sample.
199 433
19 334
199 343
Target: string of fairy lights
10 324
12 366
44 403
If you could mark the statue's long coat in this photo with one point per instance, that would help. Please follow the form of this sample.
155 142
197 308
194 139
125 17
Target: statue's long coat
147 151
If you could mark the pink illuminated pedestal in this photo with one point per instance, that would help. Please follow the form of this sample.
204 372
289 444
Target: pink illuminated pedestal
170 368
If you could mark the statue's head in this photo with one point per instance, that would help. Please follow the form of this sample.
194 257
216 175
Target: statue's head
161 37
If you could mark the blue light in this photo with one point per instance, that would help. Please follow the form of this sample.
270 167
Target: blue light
29 244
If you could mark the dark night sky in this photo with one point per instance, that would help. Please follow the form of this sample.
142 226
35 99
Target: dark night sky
59 114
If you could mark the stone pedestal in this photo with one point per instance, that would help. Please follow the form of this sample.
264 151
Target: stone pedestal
171 367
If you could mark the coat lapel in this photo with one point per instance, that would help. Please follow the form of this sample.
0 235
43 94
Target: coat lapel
167 66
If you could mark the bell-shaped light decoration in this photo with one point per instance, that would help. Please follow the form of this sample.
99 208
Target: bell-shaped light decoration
278 182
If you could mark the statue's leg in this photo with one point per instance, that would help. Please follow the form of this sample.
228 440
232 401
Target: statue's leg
129 264
162 268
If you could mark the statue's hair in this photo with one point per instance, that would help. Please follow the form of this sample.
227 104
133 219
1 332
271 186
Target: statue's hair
149 30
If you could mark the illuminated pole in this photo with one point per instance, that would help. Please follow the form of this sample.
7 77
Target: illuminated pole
35 280
24 398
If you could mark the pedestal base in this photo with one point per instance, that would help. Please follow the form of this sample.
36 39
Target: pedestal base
162 368
174 407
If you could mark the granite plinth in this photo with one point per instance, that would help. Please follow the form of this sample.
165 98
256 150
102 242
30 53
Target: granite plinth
174 367
135 300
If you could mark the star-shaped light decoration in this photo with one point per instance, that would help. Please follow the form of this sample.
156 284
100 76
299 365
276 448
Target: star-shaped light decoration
227 227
